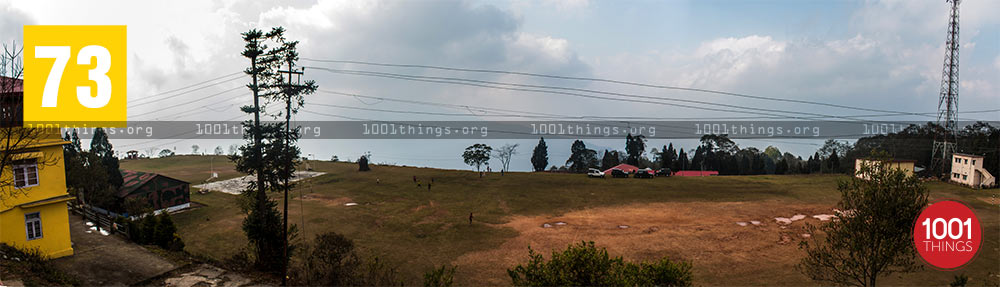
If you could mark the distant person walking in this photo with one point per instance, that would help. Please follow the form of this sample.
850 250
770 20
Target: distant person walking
470 218
414 178
428 186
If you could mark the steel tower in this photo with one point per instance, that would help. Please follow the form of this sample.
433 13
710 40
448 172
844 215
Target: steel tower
944 143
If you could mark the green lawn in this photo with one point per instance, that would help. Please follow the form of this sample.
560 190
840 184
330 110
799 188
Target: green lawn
190 168
417 229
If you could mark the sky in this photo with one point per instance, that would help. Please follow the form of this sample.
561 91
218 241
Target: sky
876 54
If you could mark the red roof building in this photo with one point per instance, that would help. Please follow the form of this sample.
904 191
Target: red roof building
696 173
155 191
628 168
11 92
12 85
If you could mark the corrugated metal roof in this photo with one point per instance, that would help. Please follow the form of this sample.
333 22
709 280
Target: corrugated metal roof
624 167
18 84
132 180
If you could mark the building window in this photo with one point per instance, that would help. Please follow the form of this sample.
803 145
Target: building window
954 174
973 162
964 177
33 225
25 173
966 161
958 160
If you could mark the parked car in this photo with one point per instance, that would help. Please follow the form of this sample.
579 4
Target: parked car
644 173
663 172
593 172
618 173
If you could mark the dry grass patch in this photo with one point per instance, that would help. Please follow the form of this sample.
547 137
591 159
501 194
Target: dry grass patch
701 232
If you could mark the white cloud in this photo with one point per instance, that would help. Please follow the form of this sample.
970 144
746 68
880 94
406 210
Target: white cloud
11 20
741 46
568 5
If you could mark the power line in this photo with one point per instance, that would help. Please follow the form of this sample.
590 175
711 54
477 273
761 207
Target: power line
607 81
182 88
176 135
522 114
634 98
190 102
199 109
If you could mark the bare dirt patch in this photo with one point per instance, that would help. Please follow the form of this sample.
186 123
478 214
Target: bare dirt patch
990 200
703 233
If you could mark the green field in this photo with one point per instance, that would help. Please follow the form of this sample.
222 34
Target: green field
416 229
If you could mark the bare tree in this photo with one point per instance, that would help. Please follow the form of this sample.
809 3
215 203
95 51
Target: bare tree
151 151
15 137
505 153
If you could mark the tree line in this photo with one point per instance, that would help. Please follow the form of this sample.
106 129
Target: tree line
722 154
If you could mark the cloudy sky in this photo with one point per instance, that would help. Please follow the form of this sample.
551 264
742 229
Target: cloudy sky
883 55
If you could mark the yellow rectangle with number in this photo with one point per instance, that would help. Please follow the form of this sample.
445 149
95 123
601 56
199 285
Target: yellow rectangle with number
75 75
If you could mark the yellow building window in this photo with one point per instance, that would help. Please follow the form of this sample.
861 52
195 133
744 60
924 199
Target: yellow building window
25 173
33 225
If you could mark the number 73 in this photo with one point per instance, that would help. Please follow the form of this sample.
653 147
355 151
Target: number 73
98 74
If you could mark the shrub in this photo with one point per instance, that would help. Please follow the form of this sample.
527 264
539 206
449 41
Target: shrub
331 260
875 239
959 281
584 264
164 231
440 277
147 229
156 230
32 267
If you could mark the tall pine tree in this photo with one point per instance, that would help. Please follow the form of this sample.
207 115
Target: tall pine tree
263 152
101 147
667 156
540 156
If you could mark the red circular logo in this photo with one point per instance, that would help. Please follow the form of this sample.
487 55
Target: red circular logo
947 234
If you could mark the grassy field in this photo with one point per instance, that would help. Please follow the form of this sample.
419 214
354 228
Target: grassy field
689 218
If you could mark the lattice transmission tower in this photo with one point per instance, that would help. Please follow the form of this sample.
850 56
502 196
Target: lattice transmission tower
944 143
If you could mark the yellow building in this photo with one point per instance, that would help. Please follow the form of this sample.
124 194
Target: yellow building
906 166
36 215
33 211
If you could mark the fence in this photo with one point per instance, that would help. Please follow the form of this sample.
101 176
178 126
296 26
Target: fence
103 220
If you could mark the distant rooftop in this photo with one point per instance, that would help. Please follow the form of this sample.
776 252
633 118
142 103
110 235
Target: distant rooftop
18 84
967 155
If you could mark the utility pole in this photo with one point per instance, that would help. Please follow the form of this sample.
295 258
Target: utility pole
291 90
944 145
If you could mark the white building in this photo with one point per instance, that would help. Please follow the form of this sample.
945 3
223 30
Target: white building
968 169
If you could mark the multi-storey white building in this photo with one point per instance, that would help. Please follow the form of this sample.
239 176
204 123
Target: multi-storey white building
968 169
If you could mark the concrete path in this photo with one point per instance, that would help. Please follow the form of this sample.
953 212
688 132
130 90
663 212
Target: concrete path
100 260
204 275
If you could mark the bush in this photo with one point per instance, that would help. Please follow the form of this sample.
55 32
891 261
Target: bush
331 260
32 267
586 265
440 277
874 240
164 231
156 230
